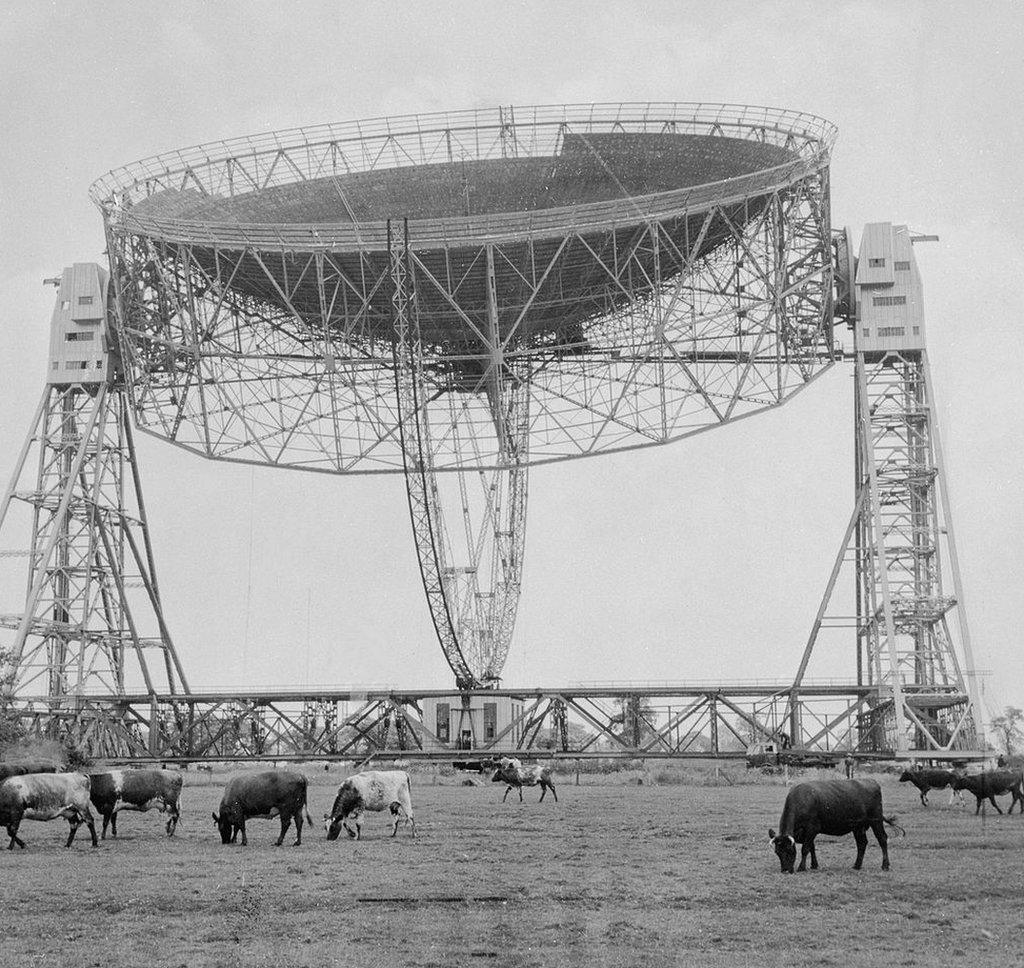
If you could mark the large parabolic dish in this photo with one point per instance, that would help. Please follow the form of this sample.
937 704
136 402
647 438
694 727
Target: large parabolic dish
473 292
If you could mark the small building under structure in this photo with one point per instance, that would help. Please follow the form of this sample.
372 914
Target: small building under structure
473 721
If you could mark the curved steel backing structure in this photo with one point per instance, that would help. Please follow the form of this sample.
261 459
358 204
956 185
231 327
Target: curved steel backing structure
473 292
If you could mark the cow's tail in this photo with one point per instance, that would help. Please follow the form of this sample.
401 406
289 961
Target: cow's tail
891 821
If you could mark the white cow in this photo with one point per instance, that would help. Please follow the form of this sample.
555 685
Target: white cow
512 772
45 796
374 790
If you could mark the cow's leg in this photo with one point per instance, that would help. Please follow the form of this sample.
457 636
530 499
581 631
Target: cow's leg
554 793
977 809
508 790
395 809
814 857
172 818
805 850
520 789
113 823
91 824
351 833
286 820
298 828
241 826
924 798
543 790
106 823
73 823
12 832
992 800
861 837
878 828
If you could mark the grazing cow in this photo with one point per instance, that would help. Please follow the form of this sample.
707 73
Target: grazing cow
373 790
926 780
272 793
140 790
992 784
513 773
26 766
834 808
45 796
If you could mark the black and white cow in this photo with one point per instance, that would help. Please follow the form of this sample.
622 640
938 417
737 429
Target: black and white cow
140 790
373 790
926 780
45 796
511 772
834 808
272 793
992 784
21 767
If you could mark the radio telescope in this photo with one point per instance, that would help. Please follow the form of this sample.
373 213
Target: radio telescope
455 297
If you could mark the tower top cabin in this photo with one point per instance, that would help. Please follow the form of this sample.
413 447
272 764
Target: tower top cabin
79 347
890 307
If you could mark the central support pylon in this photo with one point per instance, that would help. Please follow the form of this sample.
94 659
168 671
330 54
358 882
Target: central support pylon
91 622
470 553
923 700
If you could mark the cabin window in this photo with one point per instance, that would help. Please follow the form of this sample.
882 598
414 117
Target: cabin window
901 265
443 721
888 300
876 263
866 331
917 330
890 331
78 336
65 304
85 300
490 721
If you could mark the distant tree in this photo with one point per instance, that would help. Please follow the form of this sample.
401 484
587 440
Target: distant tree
1010 728
11 729
635 722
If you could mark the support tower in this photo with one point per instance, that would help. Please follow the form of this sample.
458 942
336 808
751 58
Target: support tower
91 621
900 542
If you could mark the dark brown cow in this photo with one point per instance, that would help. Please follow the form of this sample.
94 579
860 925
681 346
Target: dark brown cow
926 780
140 790
834 808
992 784
272 793
22 767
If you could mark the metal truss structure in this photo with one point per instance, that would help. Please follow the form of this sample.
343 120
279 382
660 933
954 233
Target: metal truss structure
458 349
556 295
635 722
84 628
922 697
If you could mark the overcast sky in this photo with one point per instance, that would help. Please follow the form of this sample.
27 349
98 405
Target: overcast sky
701 560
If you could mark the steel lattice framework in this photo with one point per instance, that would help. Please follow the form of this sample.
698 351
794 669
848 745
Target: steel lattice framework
569 281
85 628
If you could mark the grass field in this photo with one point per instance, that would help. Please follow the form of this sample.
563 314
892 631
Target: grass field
612 874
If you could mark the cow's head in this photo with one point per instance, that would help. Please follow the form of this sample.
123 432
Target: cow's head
905 776
224 825
785 850
333 826
502 770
